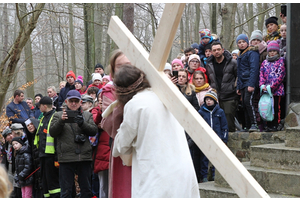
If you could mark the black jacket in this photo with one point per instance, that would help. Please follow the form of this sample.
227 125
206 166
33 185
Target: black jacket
63 94
191 98
24 166
228 90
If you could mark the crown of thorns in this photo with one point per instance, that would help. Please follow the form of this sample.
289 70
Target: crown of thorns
131 88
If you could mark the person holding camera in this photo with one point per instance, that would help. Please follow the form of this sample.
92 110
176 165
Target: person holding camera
45 145
71 127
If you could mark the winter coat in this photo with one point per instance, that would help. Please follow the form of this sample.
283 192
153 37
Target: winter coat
227 91
191 98
63 94
216 119
102 153
247 69
65 134
273 73
24 166
282 47
262 50
200 95
12 110
36 112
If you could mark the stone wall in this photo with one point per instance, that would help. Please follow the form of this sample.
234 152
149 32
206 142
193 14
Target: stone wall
239 142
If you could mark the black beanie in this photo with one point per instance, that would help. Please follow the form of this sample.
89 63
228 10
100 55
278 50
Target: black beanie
271 20
99 66
18 139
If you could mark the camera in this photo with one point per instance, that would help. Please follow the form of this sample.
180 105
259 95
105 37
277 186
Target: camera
80 139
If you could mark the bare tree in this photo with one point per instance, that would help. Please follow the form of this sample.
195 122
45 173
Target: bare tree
227 33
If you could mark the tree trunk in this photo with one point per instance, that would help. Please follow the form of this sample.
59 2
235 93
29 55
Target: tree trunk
128 16
197 22
181 35
261 18
5 33
228 16
72 41
153 19
13 56
98 32
28 56
59 77
107 42
214 18
240 20
251 22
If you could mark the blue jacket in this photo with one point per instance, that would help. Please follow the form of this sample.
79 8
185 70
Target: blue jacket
12 110
248 69
201 51
216 119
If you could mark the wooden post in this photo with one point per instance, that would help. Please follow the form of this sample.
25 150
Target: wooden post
213 147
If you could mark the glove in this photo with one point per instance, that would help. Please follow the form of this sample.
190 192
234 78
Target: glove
79 120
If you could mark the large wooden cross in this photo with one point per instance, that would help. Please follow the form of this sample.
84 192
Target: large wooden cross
210 144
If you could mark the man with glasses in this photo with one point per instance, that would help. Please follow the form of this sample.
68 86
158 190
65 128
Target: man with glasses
72 128
222 75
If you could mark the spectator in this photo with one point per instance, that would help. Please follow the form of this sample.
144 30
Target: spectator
195 46
215 118
74 154
248 73
51 90
97 81
98 69
177 64
29 102
87 102
37 113
206 38
234 54
222 74
168 68
47 153
272 72
207 53
5 184
18 111
187 53
79 85
283 40
24 166
106 79
92 91
194 65
273 30
119 175
62 84
201 86
142 118
70 85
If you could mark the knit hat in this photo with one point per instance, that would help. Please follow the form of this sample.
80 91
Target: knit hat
107 77
236 51
182 58
208 46
242 37
178 62
257 34
205 33
212 94
6 132
273 45
16 126
79 80
195 46
46 101
98 65
272 19
71 73
38 95
18 139
194 56
97 76
168 66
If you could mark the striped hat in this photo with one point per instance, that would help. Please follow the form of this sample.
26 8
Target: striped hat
273 45
212 94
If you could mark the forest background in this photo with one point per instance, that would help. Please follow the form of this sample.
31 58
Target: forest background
41 42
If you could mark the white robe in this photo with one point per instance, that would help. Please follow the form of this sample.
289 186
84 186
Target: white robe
161 160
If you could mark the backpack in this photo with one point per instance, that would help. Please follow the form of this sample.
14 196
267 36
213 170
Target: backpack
266 104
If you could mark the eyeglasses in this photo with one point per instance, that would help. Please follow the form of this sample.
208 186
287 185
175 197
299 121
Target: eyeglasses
195 61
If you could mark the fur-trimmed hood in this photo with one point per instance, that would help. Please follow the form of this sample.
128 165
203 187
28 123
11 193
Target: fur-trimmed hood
261 47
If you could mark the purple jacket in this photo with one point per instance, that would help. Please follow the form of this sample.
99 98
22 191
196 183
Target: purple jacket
273 73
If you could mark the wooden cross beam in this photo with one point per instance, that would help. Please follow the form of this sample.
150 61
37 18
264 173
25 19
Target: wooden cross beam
206 139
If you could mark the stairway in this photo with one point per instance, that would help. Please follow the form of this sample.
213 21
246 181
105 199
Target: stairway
276 167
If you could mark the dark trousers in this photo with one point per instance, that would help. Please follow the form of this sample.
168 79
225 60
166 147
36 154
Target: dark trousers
229 108
196 157
95 185
249 111
66 179
277 113
50 177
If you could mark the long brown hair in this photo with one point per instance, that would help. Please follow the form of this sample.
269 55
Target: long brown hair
114 55
188 88
128 81
198 72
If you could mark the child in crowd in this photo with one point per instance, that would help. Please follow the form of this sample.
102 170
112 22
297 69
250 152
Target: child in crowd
283 40
206 38
168 68
176 65
24 166
273 31
207 52
105 79
272 72
215 117
97 81
248 74
79 85
234 54
195 46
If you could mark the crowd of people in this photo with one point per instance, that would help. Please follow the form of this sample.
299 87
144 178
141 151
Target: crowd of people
112 137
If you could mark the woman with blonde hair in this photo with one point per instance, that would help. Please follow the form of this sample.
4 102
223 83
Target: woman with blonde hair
201 86
5 184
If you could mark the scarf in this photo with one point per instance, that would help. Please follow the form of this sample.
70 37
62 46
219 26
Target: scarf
274 58
273 36
203 87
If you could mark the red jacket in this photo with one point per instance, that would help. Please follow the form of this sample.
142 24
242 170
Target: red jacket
103 150
190 76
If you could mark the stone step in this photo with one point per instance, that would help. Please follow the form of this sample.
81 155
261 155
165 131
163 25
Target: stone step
275 156
282 182
211 190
